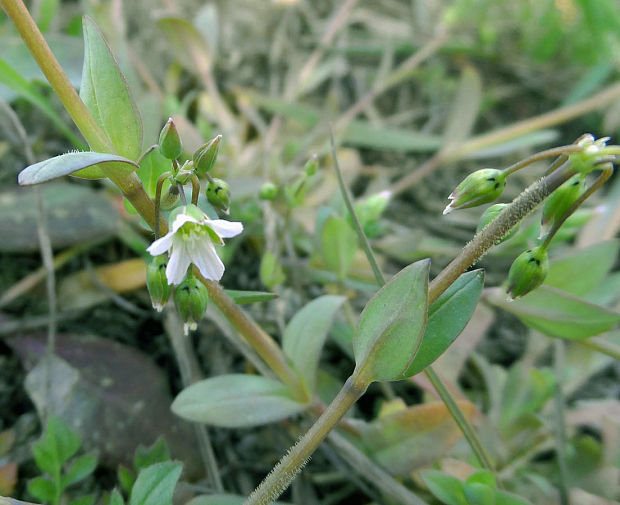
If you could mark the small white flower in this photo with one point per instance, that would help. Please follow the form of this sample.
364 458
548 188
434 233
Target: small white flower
191 240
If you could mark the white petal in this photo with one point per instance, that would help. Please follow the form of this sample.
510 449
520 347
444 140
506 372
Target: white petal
225 228
180 220
208 262
161 245
178 263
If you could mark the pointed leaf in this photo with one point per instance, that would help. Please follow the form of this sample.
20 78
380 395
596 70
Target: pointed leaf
446 319
392 324
305 335
557 313
155 484
116 498
57 445
42 489
105 92
67 164
81 468
447 489
236 400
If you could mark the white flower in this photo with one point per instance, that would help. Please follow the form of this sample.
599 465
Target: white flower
191 240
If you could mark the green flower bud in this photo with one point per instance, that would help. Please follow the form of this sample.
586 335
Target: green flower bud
218 194
585 161
490 214
372 208
312 165
170 144
191 298
483 186
528 271
170 198
268 191
157 283
204 158
560 201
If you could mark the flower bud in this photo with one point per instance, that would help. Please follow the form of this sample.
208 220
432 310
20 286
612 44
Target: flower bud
312 165
218 194
170 144
157 283
170 198
483 186
528 271
204 158
490 214
560 201
268 191
585 161
191 298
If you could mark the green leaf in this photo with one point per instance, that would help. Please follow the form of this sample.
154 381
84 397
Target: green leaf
558 314
236 400
155 484
105 92
125 478
339 243
464 110
392 324
42 489
67 164
447 489
478 493
305 336
188 43
27 90
88 499
158 452
504 498
57 445
447 317
81 468
583 270
243 297
271 273
116 498
152 166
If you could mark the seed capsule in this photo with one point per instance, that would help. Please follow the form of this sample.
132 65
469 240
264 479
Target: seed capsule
218 194
268 191
483 186
157 283
204 158
560 201
490 214
191 298
528 271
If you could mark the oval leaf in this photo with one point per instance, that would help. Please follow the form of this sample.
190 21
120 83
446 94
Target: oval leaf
106 94
558 314
392 324
447 317
155 484
235 401
305 335
66 164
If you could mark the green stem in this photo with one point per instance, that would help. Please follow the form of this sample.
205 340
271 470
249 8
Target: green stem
549 153
292 463
560 429
602 346
356 222
457 414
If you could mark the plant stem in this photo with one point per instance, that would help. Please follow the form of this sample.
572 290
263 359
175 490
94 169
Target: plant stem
560 429
549 153
292 463
602 346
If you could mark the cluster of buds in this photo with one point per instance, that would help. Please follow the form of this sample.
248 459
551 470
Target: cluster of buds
192 234
530 268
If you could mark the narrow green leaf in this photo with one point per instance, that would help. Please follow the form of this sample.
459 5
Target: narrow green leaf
583 270
67 164
236 400
392 324
116 498
243 297
81 468
12 79
447 489
42 489
305 336
557 313
339 243
447 317
271 273
125 478
155 484
105 92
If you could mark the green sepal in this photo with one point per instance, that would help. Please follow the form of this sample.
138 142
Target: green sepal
528 271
